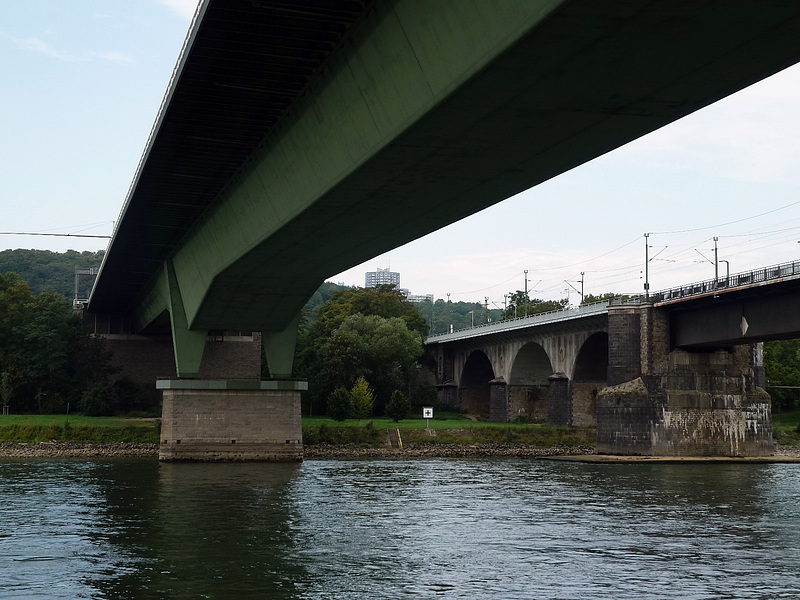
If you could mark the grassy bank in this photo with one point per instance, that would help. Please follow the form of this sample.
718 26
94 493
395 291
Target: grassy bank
447 428
786 427
77 428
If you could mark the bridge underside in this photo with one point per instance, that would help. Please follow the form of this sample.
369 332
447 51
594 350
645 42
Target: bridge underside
727 318
395 118
429 113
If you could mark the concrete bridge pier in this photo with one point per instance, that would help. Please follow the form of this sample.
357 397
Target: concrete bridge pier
665 401
228 419
218 420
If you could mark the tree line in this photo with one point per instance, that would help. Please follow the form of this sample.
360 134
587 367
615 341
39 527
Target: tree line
48 362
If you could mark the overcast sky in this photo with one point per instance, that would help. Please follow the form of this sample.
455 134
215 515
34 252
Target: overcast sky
81 83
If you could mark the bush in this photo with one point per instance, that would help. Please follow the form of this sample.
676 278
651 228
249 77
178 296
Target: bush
340 404
398 406
95 401
128 397
424 395
363 399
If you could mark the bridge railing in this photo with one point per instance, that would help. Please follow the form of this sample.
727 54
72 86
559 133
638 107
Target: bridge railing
737 280
536 319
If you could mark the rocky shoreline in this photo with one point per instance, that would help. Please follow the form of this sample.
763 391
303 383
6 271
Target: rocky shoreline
75 450
443 451
325 451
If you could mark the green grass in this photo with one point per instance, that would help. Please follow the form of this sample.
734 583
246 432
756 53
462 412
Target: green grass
77 428
786 420
451 428
443 420
786 427
73 420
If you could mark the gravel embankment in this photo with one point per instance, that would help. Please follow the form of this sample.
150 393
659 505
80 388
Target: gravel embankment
75 450
443 451
323 451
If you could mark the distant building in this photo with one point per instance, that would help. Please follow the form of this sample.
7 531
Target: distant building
381 277
420 298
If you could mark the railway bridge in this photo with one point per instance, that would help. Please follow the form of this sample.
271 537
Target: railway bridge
679 372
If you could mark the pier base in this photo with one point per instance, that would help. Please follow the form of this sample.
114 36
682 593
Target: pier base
211 420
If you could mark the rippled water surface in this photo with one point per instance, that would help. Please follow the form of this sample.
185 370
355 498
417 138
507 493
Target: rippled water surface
390 529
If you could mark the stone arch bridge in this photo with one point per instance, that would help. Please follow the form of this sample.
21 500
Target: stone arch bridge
546 367
676 373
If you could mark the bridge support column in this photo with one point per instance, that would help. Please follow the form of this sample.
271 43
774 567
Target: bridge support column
187 344
559 410
279 349
213 420
678 402
498 400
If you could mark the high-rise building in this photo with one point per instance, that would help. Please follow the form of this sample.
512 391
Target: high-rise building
381 277
420 298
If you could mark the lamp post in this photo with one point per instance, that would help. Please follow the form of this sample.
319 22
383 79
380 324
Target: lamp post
526 292
646 266
727 272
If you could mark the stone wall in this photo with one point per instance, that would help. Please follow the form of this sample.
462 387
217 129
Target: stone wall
144 359
528 402
584 402
625 417
698 404
498 401
231 425
624 344
447 395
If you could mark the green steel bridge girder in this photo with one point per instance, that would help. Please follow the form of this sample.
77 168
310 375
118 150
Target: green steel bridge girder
188 344
434 111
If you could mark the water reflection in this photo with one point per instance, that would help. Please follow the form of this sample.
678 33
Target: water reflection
202 531
366 529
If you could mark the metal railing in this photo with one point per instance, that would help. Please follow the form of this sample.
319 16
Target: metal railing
552 316
737 280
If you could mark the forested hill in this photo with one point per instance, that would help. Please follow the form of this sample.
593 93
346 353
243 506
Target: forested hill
45 270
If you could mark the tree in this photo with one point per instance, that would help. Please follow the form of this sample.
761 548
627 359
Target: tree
363 399
340 404
370 333
48 359
52 271
520 305
782 367
398 406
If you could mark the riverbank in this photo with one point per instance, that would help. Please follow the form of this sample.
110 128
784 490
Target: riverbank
54 449
327 451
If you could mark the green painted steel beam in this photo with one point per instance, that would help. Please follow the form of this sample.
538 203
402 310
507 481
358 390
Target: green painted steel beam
435 110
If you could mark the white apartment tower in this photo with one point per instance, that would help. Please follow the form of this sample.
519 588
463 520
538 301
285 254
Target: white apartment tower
381 277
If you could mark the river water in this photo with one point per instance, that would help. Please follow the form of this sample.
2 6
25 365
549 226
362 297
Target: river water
475 529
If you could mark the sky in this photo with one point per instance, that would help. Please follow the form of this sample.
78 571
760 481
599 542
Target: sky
80 87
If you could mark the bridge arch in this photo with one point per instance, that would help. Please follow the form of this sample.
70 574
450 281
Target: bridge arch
475 386
529 383
589 376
